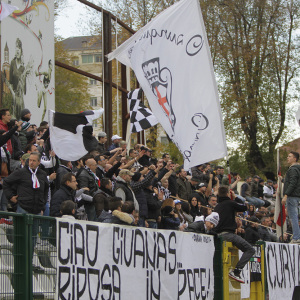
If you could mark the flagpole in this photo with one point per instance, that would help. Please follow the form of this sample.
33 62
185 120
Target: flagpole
1 85
279 193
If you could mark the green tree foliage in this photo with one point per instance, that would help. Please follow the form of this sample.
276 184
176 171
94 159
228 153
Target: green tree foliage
254 50
71 94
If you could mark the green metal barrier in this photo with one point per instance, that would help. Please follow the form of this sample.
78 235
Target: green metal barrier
27 256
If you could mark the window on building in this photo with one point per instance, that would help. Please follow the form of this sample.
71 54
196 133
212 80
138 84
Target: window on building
98 58
164 140
95 123
93 101
87 59
76 62
93 81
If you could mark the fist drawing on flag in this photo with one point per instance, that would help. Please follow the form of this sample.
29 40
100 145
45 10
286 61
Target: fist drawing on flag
160 81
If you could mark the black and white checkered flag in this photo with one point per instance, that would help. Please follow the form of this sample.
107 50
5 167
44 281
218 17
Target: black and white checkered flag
141 117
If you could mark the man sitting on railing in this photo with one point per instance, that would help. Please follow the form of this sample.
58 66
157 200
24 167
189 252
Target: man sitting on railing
227 227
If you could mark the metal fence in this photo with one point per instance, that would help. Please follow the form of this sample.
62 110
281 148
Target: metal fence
27 256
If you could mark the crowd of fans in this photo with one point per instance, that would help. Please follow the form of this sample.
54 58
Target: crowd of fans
113 184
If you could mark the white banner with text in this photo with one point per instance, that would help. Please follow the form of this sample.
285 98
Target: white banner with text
105 261
282 269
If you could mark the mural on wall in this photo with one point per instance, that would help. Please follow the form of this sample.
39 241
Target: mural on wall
27 59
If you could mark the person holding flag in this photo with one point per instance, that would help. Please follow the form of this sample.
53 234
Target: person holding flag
291 191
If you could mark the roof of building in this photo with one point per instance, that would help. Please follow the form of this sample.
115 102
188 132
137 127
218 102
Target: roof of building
83 43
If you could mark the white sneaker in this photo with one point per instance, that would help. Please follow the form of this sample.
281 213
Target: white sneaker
295 241
236 277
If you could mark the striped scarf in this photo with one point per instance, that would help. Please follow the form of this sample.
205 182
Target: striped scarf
35 181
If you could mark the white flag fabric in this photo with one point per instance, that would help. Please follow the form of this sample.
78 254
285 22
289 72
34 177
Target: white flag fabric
298 116
71 135
141 118
6 10
171 60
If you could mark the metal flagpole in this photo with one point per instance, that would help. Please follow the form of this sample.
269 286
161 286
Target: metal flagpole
279 193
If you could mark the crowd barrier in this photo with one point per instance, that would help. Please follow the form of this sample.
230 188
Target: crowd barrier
29 262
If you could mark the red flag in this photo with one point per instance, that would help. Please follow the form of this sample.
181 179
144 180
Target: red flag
279 210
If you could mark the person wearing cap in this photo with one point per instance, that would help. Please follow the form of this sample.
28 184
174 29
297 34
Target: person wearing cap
145 159
203 193
227 226
123 189
115 142
194 181
178 210
25 115
251 231
201 225
269 192
25 134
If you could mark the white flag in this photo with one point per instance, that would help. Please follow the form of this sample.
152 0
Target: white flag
6 10
71 135
171 60
298 116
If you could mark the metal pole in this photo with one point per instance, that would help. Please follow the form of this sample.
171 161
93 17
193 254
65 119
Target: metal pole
107 75
279 193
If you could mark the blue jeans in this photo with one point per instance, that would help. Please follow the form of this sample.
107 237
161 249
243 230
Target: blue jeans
255 201
152 224
292 209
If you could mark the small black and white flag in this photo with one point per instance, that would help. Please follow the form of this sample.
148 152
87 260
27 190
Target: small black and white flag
141 117
71 135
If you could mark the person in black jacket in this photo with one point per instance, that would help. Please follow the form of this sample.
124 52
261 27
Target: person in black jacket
227 227
251 231
206 225
28 187
66 192
86 178
169 218
154 205
291 193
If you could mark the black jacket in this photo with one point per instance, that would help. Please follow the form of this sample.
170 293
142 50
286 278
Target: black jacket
85 179
153 204
20 183
292 182
64 193
61 171
226 210
196 227
251 234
